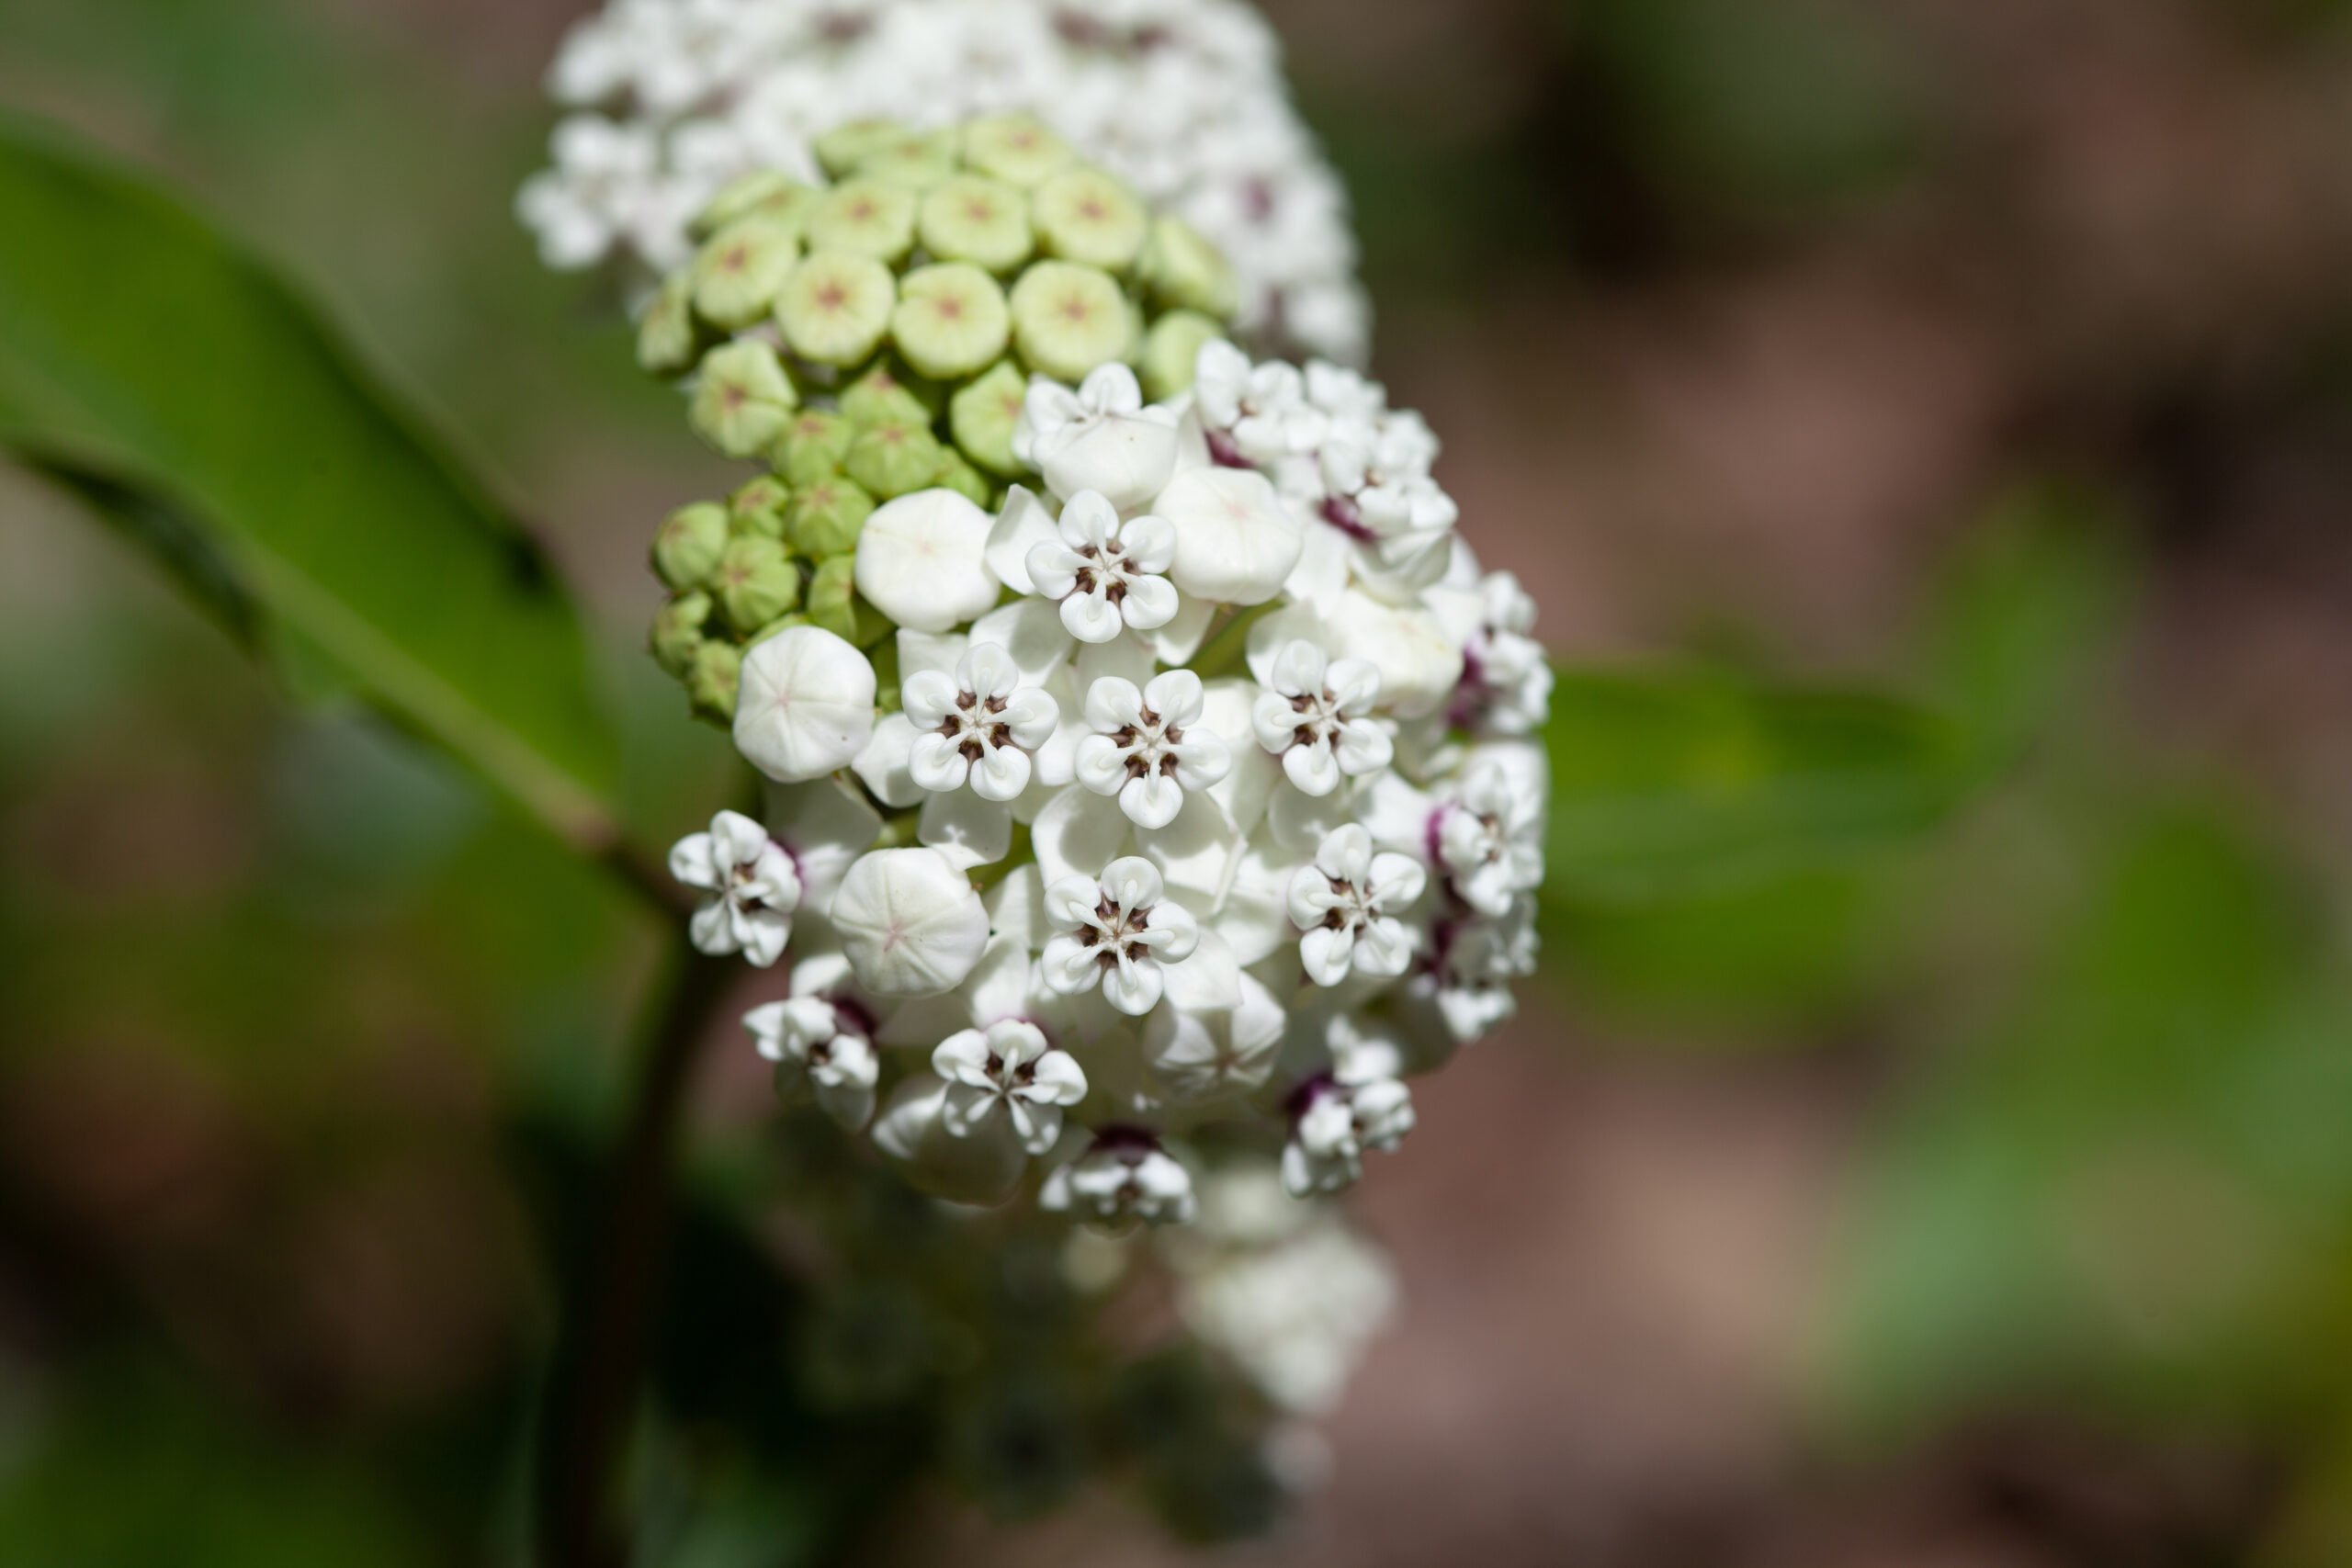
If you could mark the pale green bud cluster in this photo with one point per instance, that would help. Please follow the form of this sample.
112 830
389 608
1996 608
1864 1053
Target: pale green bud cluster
876 337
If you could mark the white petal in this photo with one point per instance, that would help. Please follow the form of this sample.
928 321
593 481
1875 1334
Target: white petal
883 765
1151 800
693 862
1091 617
1001 774
1326 953
1025 524
965 827
1236 541
935 763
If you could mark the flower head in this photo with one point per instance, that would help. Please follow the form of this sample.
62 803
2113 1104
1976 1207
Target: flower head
1008 1069
748 885
979 727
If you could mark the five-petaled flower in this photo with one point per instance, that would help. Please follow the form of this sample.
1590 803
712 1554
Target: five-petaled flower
1346 907
1123 1180
1148 747
1333 1123
1008 1067
978 725
1488 839
750 888
1317 717
1106 574
822 1046
1116 931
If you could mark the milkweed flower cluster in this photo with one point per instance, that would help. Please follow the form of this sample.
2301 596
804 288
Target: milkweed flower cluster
671 100
1148 755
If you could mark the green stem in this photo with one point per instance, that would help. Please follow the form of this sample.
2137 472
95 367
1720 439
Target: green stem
1229 644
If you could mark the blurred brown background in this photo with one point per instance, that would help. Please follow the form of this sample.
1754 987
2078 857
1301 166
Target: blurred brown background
1744 322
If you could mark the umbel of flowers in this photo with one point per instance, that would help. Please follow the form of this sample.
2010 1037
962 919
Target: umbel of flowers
671 99
1172 789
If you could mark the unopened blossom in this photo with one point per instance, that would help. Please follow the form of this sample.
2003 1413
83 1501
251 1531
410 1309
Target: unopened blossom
978 726
1488 838
1315 715
1149 746
1332 1126
1107 575
1010 1070
910 922
1348 907
805 706
748 885
1124 1179
1237 542
1116 931
821 1045
1099 437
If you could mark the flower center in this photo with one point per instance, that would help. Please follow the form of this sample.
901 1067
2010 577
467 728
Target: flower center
1115 933
976 725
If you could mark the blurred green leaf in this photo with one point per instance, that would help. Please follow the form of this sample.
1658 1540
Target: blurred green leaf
152 360
2137 1188
1670 785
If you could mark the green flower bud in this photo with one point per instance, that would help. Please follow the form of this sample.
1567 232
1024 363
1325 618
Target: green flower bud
844 147
1184 272
711 682
981 417
813 445
893 458
1067 319
912 163
668 338
951 320
883 654
1016 148
1085 215
756 510
738 272
1170 349
687 546
834 605
974 219
964 479
835 306
744 399
756 581
678 633
890 390
864 217
825 517
761 194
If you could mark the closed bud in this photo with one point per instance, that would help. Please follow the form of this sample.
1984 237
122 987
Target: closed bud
1016 148
825 517
763 193
813 445
864 217
1067 319
842 149
982 416
668 338
678 633
739 271
834 605
1084 214
889 391
756 582
964 479
687 546
756 510
744 399
711 682
1171 351
835 306
971 217
893 458
913 161
1184 272
951 320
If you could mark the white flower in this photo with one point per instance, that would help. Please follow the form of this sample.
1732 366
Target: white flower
1315 715
1118 932
1488 838
910 922
1334 1123
1469 976
1101 437
804 706
1008 1067
1148 747
921 560
1106 574
1123 1180
1237 542
606 190
821 1045
978 726
1346 907
1253 413
1419 665
1506 679
1199 1054
748 885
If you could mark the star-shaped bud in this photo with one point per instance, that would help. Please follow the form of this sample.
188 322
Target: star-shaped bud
1315 715
748 885
1147 746
1347 906
1116 931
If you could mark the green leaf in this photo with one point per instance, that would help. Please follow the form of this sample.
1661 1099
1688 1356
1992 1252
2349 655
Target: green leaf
1670 785
202 406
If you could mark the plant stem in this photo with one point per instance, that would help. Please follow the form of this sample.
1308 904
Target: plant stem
592 1387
